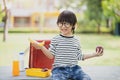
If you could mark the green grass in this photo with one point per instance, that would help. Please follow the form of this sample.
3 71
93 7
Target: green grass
30 30
19 42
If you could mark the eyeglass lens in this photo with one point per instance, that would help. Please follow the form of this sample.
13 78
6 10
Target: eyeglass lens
65 24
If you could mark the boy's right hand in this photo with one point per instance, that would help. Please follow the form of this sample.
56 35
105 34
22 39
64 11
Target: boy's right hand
36 44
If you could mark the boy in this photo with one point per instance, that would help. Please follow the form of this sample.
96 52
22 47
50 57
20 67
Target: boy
66 51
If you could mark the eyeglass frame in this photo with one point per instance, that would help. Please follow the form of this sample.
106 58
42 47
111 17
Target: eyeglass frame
66 24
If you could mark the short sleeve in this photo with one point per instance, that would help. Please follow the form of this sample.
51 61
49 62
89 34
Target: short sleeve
80 56
52 47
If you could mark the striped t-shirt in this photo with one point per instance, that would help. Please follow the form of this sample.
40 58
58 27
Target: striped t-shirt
66 50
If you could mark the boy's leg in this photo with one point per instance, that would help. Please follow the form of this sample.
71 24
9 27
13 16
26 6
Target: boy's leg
59 73
78 74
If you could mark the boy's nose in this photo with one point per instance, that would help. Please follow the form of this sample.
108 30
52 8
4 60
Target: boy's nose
63 25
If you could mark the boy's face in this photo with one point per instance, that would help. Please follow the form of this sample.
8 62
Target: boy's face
65 28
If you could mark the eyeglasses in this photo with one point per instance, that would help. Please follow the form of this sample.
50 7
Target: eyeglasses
66 24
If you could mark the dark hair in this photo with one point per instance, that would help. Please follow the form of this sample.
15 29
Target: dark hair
68 16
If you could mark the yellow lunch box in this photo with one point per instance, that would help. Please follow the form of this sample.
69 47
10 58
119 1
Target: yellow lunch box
38 72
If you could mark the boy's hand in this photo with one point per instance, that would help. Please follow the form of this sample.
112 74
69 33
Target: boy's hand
41 43
99 51
37 44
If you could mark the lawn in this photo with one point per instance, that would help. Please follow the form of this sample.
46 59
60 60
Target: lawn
18 42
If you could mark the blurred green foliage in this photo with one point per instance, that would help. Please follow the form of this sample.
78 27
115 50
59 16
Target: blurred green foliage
2 14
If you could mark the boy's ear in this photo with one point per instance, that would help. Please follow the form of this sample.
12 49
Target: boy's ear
74 27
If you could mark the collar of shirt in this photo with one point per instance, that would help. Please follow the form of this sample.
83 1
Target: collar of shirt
66 36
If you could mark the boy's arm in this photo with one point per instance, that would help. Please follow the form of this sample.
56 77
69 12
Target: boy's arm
47 52
41 46
95 54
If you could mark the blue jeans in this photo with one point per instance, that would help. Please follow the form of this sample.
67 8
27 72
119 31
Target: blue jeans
69 73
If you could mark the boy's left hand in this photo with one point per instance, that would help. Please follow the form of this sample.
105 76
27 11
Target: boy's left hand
99 51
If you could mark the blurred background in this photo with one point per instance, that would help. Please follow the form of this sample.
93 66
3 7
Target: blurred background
98 24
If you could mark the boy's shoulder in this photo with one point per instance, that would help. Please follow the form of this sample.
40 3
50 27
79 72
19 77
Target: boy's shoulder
76 37
56 37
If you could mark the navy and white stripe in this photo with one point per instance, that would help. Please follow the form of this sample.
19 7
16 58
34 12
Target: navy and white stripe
66 50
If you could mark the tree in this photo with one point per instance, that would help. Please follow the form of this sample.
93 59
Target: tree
95 11
70 4
5 22
2 14
111 10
